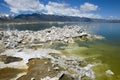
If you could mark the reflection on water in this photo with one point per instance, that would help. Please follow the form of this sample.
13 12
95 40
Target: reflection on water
39 26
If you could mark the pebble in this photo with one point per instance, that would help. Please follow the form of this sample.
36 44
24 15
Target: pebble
109 72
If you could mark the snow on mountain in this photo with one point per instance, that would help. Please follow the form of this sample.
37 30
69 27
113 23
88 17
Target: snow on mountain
6 16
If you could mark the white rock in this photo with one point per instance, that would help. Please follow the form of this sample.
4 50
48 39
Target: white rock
109 72
48 78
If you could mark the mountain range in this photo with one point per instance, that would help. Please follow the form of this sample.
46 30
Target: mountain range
47 17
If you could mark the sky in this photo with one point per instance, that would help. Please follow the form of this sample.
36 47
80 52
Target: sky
81 8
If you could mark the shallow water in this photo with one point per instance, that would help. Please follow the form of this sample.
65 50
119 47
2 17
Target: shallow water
107 55
108 49
106 52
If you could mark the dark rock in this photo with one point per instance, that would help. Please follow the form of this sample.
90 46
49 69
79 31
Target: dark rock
85 78
66 77
83 63
9 59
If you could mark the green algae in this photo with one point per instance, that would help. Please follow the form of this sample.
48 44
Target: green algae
105 55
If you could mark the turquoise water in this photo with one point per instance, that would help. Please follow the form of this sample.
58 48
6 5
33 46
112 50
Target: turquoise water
105 52
109 49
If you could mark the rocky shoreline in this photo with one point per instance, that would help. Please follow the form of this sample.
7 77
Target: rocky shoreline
57 65
14 39
51 64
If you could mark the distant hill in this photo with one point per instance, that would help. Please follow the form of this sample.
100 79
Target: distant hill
47 17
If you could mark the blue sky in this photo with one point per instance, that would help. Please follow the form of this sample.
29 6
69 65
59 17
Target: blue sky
82 8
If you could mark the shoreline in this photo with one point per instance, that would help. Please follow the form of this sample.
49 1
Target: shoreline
14 47
14 39
66 65
50 22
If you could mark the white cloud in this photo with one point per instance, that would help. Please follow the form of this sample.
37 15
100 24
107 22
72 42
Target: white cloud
60 8
65 9
24 5
17 6
88 7
113 17
90 15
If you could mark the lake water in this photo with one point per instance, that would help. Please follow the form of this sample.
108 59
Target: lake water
106 52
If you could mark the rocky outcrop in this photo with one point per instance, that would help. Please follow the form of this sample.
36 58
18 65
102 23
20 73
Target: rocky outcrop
48 64
13 39
44 64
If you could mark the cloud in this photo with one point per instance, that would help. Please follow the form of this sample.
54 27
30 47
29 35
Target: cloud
17 6
24 5
88 7
90 15
61 9
65 9
113 17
